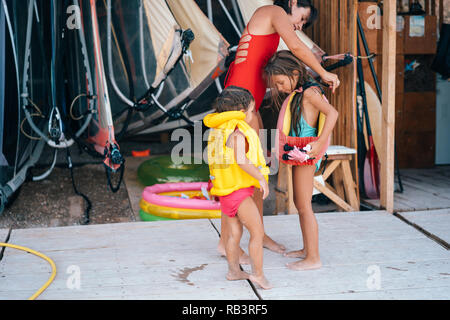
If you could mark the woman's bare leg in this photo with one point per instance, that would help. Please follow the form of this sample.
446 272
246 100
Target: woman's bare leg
303 177
269 243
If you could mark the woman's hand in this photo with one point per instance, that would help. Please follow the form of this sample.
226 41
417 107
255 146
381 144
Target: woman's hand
331 79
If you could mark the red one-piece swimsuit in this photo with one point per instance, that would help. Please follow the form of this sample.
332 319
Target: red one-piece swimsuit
248 72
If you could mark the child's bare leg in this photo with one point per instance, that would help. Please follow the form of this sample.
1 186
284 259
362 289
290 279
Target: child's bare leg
303 188
243 257
232 249
300 254
248 215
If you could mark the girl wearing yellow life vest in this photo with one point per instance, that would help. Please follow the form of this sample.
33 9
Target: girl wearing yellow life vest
285 74
237 166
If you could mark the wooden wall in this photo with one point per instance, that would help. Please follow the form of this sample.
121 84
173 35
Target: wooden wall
415 91
335 32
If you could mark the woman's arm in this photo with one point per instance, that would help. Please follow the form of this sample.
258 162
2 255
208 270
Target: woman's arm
283 26
313 99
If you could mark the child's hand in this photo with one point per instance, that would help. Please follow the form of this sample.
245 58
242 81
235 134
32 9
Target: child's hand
316 148
264 187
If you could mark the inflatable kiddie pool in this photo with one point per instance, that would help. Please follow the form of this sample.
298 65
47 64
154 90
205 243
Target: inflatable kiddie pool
162 169
145 216
182 200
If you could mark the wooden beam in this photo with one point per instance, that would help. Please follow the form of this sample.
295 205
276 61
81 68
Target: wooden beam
334 197
388 105
354 51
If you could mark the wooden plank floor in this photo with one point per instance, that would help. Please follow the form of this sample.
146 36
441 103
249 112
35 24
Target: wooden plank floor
436 222
424 189
169 260
178 260
411 265
3 234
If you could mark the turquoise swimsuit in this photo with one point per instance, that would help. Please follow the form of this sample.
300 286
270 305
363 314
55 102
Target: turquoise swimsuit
306 131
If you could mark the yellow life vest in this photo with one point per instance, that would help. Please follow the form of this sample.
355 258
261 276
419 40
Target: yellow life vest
226 175
288 118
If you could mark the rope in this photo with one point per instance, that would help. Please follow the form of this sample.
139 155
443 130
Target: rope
39 114
344 55
23 131
71 107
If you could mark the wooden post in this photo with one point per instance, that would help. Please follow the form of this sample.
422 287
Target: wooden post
388 134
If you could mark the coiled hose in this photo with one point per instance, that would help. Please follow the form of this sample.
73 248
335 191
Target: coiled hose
36 253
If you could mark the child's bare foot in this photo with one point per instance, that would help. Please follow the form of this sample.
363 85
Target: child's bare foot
237 275
300 254
221 249
243 258
304 265
260 281
272 245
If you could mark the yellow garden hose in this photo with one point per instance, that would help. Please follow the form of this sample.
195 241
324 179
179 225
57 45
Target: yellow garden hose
50 261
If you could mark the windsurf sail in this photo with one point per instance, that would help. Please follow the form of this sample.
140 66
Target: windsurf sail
88 86
23 64
155 68
40 31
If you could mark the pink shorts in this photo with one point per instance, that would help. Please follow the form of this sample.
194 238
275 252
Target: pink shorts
229 204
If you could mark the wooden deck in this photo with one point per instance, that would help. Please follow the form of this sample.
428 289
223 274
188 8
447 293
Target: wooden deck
435 222
424 189
178 260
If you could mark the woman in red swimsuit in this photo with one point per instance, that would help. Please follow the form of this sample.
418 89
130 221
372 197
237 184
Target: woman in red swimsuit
258 43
